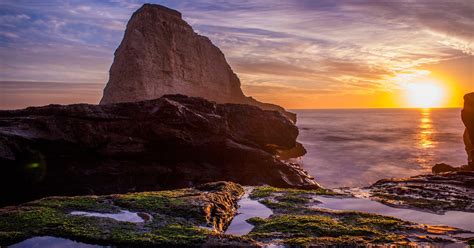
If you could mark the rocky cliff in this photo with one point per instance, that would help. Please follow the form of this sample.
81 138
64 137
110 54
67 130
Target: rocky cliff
161 54
173 141
468 119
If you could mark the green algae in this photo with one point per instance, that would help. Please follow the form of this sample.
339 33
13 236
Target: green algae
179 214
266 191
77 203
296 223
177 217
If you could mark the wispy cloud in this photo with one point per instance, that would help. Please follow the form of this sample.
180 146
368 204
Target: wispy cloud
324 46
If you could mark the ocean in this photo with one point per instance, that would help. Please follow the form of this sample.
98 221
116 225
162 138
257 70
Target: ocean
357 147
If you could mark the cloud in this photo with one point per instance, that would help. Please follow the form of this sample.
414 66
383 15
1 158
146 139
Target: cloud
347 46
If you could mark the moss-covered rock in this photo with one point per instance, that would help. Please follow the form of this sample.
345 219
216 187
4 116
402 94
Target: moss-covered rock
183 217
298 222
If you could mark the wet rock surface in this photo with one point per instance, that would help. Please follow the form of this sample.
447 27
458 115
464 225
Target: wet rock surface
299 221
161 54
437 192
199 217
171 142
184 217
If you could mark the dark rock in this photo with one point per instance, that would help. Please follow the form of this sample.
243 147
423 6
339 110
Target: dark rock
174 141
441 168
467 115
297 151
436 193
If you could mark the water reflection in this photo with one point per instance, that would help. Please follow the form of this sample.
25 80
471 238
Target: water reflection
425 137
426 129
358 147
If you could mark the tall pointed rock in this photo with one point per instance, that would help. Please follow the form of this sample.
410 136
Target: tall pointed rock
161 54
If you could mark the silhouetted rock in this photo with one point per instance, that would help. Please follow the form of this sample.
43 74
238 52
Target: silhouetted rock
173 141
468 119
161 54
441 168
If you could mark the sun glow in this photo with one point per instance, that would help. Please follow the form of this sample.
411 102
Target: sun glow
425 94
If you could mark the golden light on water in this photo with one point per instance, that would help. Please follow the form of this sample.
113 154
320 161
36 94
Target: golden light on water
425 138
426 129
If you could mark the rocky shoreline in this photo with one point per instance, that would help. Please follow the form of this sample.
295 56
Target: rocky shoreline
199 216
449 191
146 168
183 217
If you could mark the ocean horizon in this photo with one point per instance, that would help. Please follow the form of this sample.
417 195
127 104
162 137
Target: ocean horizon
357 147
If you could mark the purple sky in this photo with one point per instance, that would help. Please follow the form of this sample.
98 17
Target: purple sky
296 53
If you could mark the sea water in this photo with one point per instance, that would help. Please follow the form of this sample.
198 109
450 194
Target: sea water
357 147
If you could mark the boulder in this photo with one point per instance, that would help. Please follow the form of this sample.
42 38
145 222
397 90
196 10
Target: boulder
161 54
170 142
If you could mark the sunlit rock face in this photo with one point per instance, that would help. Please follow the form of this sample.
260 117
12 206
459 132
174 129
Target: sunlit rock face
468 119
170 142
161 54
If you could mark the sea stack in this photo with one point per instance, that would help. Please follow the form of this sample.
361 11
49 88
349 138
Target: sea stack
467 115
161 54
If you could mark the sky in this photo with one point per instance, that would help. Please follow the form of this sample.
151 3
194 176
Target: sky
299 53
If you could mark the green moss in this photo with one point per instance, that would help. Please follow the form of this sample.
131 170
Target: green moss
266 191
78 203
310 226
180 234
380 222
295 223
294 198
176 217
30 219
177 203
344 241
47 221
150 201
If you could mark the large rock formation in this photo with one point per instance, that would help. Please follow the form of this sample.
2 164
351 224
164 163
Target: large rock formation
161 54
468 119
173 141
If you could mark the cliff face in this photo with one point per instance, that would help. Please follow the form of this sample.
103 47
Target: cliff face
161 54
468 119
174 141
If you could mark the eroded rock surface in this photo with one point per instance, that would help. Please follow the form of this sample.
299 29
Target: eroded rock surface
161 54
299 222
174 141
183 217
437 193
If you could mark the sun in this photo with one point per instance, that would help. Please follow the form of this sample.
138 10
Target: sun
425 94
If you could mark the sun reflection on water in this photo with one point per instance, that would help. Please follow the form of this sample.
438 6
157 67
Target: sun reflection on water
425 138
426 130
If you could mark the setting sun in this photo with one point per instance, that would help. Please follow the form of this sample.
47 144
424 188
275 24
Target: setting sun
425 94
